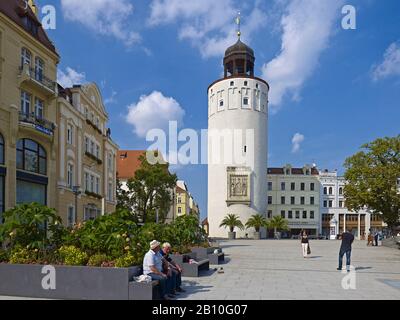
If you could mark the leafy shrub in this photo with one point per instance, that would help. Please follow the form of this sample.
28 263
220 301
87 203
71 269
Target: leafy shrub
72 256
126 261
22 256
31 225
4 256
97 260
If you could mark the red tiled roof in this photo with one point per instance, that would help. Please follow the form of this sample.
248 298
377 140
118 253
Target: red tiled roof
205 222
14 10
180 190
128 162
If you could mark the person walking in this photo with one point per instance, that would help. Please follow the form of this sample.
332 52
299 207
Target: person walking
304 243
345 248
376 238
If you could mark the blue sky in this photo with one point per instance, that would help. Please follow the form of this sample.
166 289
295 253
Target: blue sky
336 89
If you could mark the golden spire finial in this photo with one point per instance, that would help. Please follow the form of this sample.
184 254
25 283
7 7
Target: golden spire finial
33 6
238 21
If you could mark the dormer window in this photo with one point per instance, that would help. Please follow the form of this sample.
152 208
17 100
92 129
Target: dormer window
30 25
287 171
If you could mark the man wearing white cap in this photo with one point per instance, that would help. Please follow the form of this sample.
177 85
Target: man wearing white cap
153 267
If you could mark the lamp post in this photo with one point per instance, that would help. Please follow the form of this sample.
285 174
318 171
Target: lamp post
77 191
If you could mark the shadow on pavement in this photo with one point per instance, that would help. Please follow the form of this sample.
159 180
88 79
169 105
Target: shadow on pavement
192 287
362 268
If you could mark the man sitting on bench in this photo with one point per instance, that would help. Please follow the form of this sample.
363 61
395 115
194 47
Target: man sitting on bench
173 267
153 267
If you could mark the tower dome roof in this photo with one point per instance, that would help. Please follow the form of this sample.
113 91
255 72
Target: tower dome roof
239 48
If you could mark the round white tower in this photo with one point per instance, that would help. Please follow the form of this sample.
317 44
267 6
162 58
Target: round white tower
237 146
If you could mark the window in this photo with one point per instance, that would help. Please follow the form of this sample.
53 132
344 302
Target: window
307 172
325 190
283 186
92 146
109 161
179 210
31 157
86 144
340 204
25 57
245 83
302 200
2 153
70 175
245 101
330 190
292 200
269 186
221 103
340 191
297 214
302 186
25 102
257 86
179 200
287 171
87 181
282 200
312 186
269 214
39 108
70 134
245 149
91 213
39 68
30 25
304 214
290 215
312 200
91 187
330 203
293 186
283 214
232 83
97 185
110 191
269 200
312 215
97 151
325 204
86 113
71 216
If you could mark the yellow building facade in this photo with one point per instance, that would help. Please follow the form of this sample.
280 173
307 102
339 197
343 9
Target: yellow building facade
87 156
28 115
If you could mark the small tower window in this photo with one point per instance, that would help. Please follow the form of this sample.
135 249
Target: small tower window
245 149
245 83
232 83
221 103
246 101
257 85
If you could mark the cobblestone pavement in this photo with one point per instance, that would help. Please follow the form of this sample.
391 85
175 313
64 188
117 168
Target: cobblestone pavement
275 269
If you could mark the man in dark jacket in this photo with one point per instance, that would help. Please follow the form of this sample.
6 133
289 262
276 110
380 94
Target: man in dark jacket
345 248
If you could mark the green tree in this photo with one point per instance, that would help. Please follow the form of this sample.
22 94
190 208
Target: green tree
371 176
149 192
278 224
232 221
256 221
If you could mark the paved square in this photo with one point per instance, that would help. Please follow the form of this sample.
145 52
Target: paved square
275 269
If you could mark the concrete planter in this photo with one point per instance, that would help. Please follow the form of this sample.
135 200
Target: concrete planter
83 283
257 235
231 235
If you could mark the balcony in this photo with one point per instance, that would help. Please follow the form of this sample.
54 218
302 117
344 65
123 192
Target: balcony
38 80
39 124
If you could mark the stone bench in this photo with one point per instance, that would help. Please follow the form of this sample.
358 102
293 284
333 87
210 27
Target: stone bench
208 253
191 269
143 290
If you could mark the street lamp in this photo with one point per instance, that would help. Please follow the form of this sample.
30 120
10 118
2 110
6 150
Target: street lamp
77 191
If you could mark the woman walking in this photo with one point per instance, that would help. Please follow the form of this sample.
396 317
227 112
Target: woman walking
304 243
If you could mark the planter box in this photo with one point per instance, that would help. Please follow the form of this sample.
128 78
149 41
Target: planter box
208 253
188 269
257 236
83 283
231 235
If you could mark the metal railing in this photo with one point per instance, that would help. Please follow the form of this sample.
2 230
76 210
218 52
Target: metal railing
33 119
39 77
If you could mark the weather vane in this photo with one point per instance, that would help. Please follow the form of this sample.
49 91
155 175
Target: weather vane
238 24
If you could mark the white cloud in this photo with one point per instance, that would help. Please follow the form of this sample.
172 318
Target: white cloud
70 77
103 17
307 26
207 24
297 139
111 99
154 111
390 66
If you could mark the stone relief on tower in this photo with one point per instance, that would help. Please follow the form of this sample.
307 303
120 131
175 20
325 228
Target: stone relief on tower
238 185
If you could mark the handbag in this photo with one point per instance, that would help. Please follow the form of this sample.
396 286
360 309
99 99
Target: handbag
308 249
